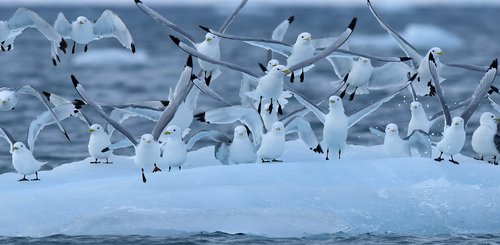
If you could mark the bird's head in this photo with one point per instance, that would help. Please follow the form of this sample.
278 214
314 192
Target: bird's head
211 38
240 132
457 122
436 51
278 127
18 147
415 106
8 100
391 128
96 128
82 20
304 37
147 138
489 119
172 131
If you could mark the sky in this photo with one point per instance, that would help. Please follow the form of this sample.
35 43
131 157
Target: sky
387 3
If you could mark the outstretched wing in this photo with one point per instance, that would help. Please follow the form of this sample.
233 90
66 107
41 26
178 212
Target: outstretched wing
377 132
32 91
280 30
435 77
421 141
110 25
63 26
303 128
389 75
122 114
193 141
311 106
356 117
8 137
231 17
201 85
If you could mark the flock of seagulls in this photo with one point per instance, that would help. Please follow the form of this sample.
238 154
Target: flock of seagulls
260 116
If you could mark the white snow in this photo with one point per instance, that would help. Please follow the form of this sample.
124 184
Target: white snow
364 192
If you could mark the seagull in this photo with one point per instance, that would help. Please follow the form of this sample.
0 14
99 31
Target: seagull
24 18
273 144
9 98
98 141
419 120
22 157
453 140
174 149
147 150
423 85
83 31
485 140
396 146
209 46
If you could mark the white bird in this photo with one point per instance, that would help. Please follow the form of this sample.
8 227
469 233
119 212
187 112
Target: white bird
453 140
99 140
174 149
22 157
241 149
24 18
209 46
9 98
419 120
83 31
395 146
485 140
273 144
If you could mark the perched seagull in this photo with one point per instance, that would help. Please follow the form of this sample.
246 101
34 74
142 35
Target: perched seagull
22 157
486 140
83 31
395 146
453 140
174 149
99 140
423 85
273 144
270 83
209 46
419 120
241 149
24 18
147 150
9 98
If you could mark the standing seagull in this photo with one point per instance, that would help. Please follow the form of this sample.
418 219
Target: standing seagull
84 31
98 141
22 157
419 120
395 146
485 140
209 46
147 150
24 18
453 140
273 144
174 149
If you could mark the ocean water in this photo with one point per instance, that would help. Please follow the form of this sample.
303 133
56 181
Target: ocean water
225 238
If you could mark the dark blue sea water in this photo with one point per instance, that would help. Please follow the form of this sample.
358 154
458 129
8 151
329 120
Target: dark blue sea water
224 238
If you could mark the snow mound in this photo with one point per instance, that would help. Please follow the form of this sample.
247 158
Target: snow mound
110 57
305 195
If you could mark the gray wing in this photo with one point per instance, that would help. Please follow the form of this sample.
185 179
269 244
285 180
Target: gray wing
389 75
185 85
471 67
377 132
481 91
421 141
197 54
81 91
8 137
403 44
230 18
32 91
192 142
274 45
55 99
246 115
311 106
222 153
46 118
145 104
62 25
303 128
439 91
244 88
122 114
494 104
201 85
349 53
356 117
433 119
162 20
341 65
119 145
110 25
280 30
335 45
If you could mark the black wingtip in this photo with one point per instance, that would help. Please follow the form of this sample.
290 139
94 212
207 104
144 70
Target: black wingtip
189 62
46 94
132 46
175 40
63 43
105 149
318 149
262 67
353 23
75 82
405 58
291 19
67 136
165 102
193 77
137 1
54 62
200 117
494 64
204 28
78 103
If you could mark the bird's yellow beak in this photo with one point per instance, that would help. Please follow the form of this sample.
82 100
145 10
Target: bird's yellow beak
286 71
80 22
274 64
14 148
308 38
393 130
148 141
497 120
91 130
332 101
167 133
278 129
3 101
440 53
209 39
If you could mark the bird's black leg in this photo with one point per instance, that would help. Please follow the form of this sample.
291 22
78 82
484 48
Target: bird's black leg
276 160
343 92
169 168
280 109
439 159
479 159
260 105
24 178
494 161
327 152
453 161
95 162
85 48
340 151
351 97
302 76
9 47
270 109
179 168
264 161
208 79
73 49
108 162
36 177
143 176
156 169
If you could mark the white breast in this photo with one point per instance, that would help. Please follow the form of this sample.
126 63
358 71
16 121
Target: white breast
97 142
335 131
483 141
146 155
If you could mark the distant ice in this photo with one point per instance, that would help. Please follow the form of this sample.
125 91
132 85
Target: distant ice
109 57
363 193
